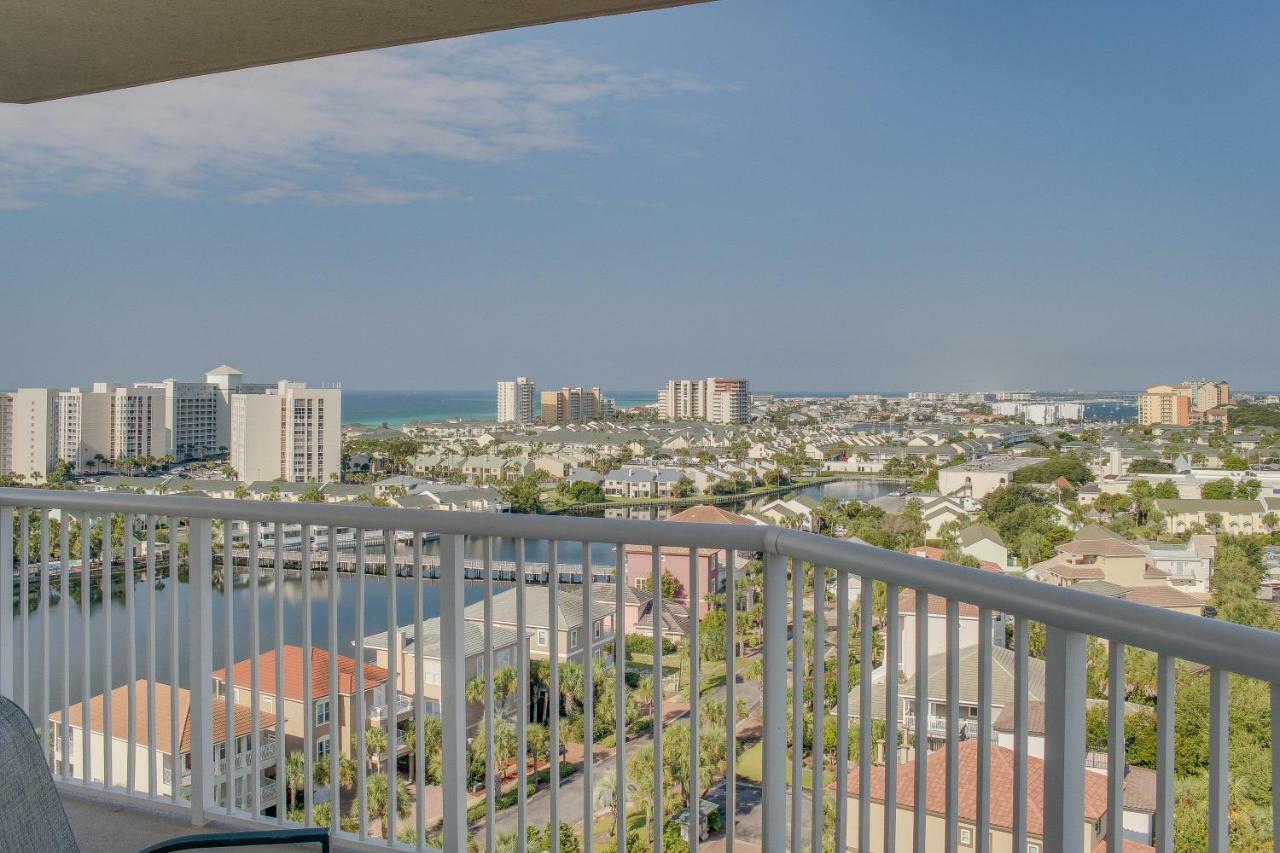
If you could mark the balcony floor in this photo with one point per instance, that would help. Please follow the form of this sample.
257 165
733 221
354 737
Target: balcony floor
112 828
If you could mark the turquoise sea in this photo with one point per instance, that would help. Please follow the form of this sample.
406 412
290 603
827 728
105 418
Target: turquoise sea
396 408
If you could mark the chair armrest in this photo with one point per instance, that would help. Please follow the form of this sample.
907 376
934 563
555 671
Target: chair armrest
244 839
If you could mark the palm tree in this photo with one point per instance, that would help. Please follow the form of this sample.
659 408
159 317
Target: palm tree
640 786
605 797
644 692
538 740
378 795
375 744
295 774
572 686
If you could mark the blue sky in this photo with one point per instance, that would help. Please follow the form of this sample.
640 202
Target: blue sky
809 194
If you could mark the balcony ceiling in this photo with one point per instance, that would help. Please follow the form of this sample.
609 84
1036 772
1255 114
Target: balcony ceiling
57 48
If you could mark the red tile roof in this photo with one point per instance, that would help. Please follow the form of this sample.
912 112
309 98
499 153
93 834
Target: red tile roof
1002 761
937 605
242 719
243 673
707 514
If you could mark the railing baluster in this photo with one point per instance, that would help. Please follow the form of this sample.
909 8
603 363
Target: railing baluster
24 602
1064 739
229 661
86 638
797 699
553 620
419 705
176 760
334 726
893 652
730 701
1219 753
953 727
131 762
658 682
255 650
1166 697
985 644
45 617
7 603
866 671
588 702
392 686
1116 756
308 699
819 675
453 707
620 692
1021 695
199 662
108 669
920 824
842 707
64 601
278 705
522 699
1275 765
362 710
774 757
490 718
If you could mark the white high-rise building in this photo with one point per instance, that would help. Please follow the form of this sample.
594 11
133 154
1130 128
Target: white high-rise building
137 422
191 419
85 424
517 401
6 432
721 401
291 432
33 441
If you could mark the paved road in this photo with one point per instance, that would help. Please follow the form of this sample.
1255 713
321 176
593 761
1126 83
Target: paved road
538 807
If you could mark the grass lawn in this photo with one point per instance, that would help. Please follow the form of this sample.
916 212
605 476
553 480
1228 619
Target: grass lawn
749 764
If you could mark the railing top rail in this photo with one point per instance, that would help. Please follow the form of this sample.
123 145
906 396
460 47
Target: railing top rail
562 528
1246 651
1236 648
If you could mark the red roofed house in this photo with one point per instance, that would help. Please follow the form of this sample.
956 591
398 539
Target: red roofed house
167 754
295 714
938 627
675 561
1000 816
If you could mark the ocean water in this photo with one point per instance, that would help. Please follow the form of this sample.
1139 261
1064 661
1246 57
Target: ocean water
396 408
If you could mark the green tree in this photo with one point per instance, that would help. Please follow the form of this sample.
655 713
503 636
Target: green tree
525 494
1218 490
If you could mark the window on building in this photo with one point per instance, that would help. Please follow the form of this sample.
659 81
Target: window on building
542 638
573 638
322 712
966 836
322 747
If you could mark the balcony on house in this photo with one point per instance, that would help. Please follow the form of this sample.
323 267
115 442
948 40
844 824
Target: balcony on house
156 613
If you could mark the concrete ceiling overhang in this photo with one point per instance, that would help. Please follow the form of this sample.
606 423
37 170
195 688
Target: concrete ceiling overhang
57 48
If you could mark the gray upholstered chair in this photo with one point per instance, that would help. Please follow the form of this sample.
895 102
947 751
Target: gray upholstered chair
31 814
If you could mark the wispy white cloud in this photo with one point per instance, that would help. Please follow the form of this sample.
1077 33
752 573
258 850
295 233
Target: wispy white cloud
315 131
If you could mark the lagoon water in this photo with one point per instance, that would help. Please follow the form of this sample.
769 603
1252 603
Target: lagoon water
115 673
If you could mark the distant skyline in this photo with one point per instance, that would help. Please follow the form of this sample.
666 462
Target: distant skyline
902 197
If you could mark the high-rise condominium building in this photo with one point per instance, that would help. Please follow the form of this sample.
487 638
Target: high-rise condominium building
33 432
1183 404
574 405
291 432
6 431
109 422
1164 404
721 401
517 401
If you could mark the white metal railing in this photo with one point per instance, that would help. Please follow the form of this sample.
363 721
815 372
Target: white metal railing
403 704
174 642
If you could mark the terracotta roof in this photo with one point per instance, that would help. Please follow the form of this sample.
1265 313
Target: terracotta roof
1129 847
707 514
937 605
1035 718
1115 547
1002 761
243 673
1162 596
242 718
1055 565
